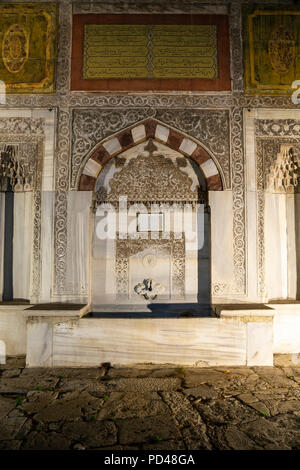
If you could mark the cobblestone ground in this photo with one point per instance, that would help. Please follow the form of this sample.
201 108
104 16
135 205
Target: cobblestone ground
150 408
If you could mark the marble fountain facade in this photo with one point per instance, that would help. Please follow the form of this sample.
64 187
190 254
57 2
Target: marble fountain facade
234 301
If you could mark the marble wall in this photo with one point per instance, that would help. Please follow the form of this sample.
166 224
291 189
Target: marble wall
2 213
22 245
270 230
252 250
272 214
254 232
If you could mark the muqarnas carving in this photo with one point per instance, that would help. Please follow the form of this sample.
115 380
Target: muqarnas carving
28 35
284 173
271 49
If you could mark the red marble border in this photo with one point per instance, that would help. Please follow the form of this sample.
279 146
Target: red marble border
222 83
175 138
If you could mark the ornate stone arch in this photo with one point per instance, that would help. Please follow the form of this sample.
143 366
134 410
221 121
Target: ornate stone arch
142 131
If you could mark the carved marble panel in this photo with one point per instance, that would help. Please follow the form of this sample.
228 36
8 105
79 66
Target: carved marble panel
91 126
175 248
210 127
270 136
151 176
27 135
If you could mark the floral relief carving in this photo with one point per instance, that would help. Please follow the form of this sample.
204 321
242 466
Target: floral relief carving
151 176
173 247
271 136
210 127
23 126
91 126
277 128
27 136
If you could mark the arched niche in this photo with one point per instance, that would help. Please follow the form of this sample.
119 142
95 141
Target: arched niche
152 180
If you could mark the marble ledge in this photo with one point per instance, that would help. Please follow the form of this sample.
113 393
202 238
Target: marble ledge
65 311
246 316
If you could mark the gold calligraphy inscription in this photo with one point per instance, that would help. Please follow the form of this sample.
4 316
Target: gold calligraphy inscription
150 51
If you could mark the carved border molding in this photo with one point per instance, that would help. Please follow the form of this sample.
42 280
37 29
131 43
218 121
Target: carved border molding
235 33
61 201
167 100
152 6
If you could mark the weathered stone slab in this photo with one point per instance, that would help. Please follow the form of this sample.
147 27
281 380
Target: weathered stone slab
92 434
28 380
195 377
131 404
263 431
143 385
202 392
133 372
195 438
185 414
81 384
232 438
247 398
38 400
10 373
225 411
231 408
72 406
290 406
165 445
46 441
10 427
10 445
78 372
6 405
275 377
152 429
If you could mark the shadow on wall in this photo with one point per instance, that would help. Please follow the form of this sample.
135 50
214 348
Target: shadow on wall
157 310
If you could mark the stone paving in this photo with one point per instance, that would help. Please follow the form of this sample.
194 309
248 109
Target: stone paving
150 407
